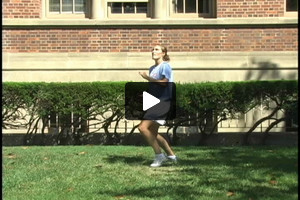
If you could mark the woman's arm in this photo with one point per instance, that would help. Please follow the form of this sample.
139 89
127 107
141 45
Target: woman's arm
148 78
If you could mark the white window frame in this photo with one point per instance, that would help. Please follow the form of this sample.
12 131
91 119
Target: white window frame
211 12
127 15
66 15
289 13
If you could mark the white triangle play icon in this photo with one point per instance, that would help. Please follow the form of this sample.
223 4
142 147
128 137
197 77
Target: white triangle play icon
149 101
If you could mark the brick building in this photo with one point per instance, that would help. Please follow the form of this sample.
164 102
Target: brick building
99 40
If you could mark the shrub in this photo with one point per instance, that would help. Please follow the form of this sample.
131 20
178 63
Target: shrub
201 104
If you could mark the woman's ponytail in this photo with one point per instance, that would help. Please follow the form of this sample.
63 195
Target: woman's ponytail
166 56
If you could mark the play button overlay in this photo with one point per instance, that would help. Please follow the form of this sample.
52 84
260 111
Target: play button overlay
150 101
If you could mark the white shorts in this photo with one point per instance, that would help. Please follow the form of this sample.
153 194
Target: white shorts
160 121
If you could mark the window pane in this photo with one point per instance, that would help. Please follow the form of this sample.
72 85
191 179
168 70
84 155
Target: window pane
67 5
80 5
203 6
128 7
291 5
190 6
179 6
141 7
54 6
116 7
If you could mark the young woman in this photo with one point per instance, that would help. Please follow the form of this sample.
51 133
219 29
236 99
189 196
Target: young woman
161 73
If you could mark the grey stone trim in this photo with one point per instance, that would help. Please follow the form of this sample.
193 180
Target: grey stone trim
141 23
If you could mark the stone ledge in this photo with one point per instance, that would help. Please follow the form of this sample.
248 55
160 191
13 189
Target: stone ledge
141 60
140 23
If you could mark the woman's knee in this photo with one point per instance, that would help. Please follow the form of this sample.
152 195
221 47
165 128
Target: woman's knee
142 128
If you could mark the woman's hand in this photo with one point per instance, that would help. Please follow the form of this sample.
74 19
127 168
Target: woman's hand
163 81
144 75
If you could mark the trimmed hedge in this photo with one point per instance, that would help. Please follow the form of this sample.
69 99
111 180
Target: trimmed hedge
200 104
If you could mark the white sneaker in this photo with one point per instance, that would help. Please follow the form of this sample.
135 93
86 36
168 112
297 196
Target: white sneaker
159 159
172 158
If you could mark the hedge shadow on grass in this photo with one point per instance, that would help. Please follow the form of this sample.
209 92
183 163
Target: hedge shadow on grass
130 160
247 172
240 166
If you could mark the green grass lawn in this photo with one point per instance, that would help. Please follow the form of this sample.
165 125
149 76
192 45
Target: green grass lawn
123 172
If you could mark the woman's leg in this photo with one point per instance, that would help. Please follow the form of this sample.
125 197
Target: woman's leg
149 135
161 140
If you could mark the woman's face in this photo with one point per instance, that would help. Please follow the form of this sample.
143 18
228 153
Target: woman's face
157 53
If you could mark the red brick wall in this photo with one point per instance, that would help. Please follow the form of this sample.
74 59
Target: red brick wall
250 8
141 40
21 8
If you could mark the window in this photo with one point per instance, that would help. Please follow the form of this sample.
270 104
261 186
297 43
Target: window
193 8
64 9
291 5
291 8
124 8
127 9
67 6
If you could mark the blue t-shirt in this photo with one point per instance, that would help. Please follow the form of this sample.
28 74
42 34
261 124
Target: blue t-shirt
163 70
159 72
